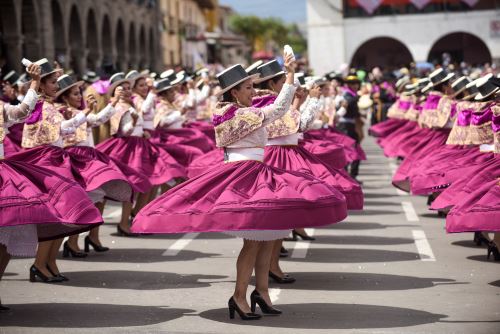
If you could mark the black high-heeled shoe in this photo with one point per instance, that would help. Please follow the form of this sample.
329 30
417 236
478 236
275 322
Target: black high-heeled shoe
35 273
296 236
61 276
256 298
283 252
233 307
480 239
492 248
123 233
287 279
67 251
3 308
96 247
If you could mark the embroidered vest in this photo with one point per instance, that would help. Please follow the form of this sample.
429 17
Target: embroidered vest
400 107
163 108
286 125
121 108
80 133
481 131
233 123
446 111
495 124
460 131
2 130
43 127
429 110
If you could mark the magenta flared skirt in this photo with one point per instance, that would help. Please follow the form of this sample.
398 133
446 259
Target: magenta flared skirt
385 128
206 162
185 136
333 155
12 141
205 127
297 158
95 170
31 194
243 196
182 153
144 157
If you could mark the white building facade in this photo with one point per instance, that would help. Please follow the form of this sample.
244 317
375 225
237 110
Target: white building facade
339 34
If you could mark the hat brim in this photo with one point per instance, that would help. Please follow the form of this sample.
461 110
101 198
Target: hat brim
51 72
116 84
480 96
59 92
253 77
448 77
166 88
470 96
459 91
140 76
269 77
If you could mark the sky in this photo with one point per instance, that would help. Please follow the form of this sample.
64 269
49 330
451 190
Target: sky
291 11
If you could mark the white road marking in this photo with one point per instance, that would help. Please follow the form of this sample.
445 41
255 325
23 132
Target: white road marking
401 192
274 294
112 214
180 244
301 247
423 246
410 213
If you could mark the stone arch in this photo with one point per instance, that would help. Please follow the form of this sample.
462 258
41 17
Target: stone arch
30 30
132 47
462 46
120 46
75 41
386 52
92 42
58 32
152 49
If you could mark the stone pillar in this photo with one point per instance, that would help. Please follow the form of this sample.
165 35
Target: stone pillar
14 54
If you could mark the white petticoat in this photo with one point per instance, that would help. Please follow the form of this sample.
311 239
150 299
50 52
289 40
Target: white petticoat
20 240
260 235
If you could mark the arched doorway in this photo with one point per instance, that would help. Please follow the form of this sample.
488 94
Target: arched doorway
92 41
76 41
58 33
120 46
385 52
31 42
10 48
132 47
107 42
461 46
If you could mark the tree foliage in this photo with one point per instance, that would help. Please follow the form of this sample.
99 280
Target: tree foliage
257 30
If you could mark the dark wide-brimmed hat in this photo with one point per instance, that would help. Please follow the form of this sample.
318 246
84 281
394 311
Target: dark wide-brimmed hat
90 77
437 77
269 70
11 77
116 80
460 85
134 75
486 87
253 69
232 77
46 68
333 75
162 85
65 83
168 74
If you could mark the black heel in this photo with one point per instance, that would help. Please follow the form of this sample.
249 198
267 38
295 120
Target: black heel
96 247
282 280
61 276
35 273
124 233
3 308
233 307
303 237
256 298
67 251
480 239
493 249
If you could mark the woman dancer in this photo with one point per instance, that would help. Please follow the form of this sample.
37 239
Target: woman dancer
252 200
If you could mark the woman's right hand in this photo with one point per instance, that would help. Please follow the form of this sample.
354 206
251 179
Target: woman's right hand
290 63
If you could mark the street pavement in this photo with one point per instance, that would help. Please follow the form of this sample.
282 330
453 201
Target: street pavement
388 269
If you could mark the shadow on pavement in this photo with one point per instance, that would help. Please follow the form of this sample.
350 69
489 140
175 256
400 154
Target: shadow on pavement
370 212
496 283
67 315
467 243
361 226
353 255
375 203
360 240
334 316
432 214
137 280
482 258
374 195
360 282
202 236
9 274
141 255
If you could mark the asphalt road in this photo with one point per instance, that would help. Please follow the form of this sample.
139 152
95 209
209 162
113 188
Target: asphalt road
388 269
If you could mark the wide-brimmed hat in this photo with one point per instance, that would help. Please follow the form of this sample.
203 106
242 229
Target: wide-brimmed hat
66 82
402 82
301 78
253 69
437 77
352 79
23 79
269 70
471 90
333 75
162 85
90 77
134 75
116 80
168 74
46 68
485 87
11 77
460 85
232 77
